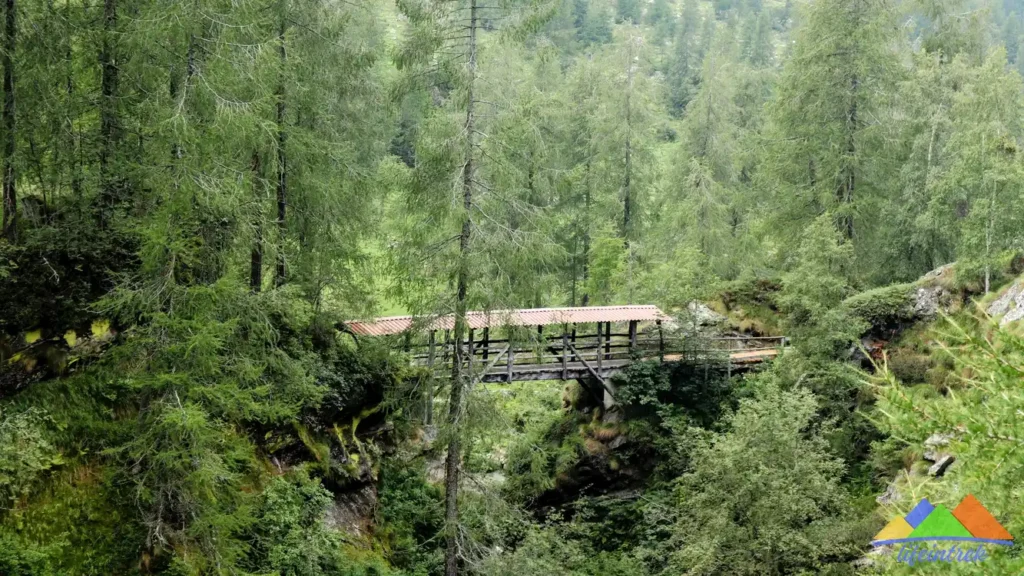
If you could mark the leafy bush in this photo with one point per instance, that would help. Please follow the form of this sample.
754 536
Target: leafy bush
25 453
546 551
549 448
909 367
763 497
288 535
411 517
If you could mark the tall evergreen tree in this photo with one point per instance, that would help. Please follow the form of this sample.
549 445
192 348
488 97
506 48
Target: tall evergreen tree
825 146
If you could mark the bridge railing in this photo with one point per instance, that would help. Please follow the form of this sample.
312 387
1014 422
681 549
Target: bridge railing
593 352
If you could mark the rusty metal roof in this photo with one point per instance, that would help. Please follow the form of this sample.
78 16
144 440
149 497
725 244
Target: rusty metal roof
495 318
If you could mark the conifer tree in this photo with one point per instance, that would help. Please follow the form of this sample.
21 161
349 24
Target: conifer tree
825 147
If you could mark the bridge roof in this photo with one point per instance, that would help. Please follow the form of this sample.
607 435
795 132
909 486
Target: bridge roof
524 317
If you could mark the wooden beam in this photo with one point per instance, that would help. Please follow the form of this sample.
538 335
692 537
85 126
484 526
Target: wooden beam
486 342
632 334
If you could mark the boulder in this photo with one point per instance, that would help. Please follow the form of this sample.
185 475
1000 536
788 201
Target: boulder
699 314
938 439
940 467
890 496
1010 305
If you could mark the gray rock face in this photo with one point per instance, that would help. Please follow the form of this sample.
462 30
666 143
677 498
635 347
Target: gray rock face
926 301
890 495
938 439
352 512
1010 305
699 314
931 294
940 467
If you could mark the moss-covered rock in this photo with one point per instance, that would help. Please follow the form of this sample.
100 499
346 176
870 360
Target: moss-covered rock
884 308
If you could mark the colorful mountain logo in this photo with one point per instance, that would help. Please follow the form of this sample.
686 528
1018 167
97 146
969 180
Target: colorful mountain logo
968 522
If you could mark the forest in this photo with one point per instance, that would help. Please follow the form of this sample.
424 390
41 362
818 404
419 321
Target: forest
201 199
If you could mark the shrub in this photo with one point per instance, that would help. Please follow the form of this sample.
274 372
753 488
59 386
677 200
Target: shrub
909 367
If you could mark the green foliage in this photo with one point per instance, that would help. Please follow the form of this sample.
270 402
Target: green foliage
697 391
25 452
544 551
410 519
979 417
813 290
549 448
289 535
764 496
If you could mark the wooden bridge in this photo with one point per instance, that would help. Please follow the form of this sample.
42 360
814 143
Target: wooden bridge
562 343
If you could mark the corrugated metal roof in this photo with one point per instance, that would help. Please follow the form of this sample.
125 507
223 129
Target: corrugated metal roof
495 318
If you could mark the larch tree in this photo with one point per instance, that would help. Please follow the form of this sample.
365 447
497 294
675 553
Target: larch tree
825 151
442 52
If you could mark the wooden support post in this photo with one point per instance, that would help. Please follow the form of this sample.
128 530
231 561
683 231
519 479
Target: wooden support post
469 351
632 335
511 360
447 346
565 356
407 341
428 395
573 340
486 342
597 352
607 339
661 342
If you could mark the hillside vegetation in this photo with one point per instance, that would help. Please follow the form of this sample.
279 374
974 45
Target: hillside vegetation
200 196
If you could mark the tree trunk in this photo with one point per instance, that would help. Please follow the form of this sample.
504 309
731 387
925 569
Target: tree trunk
109 121
586 235
848 182
627 185
10 195
256 258
989 227
453 460
70 113
282 160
